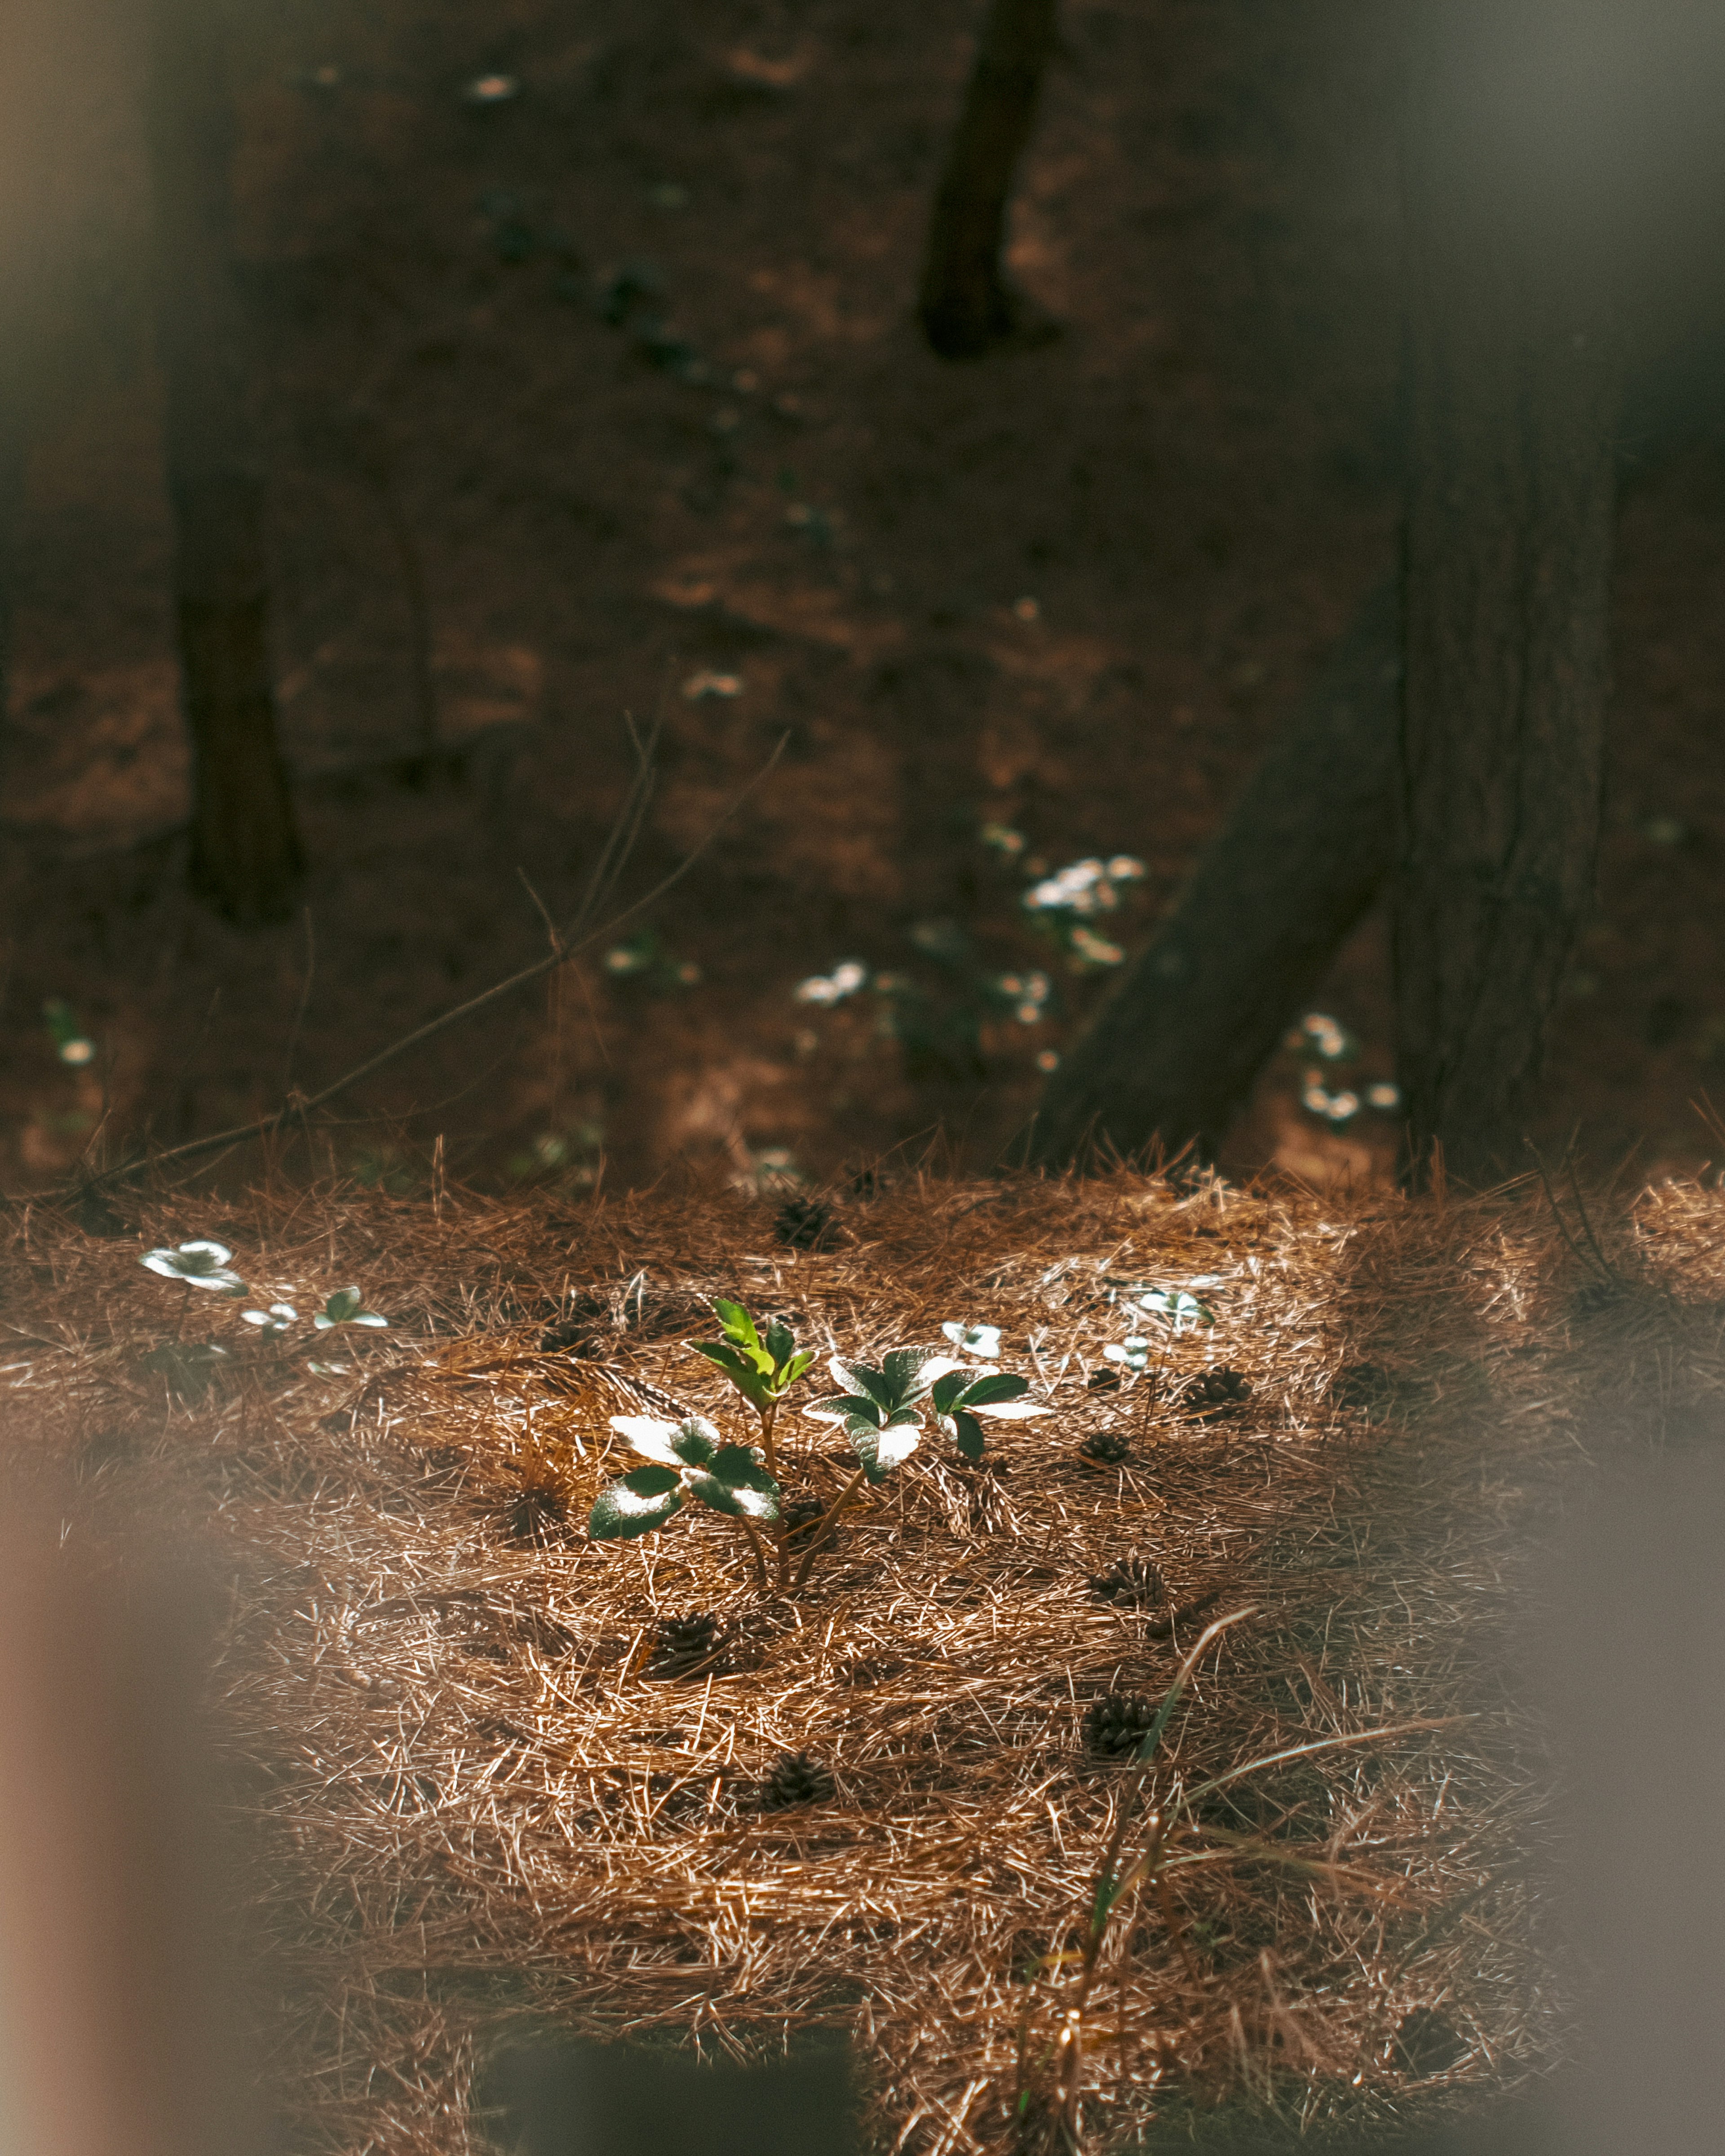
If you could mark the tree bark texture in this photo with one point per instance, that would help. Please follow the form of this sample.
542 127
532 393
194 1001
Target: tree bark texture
1512 394
965 303
1176 1048
246 851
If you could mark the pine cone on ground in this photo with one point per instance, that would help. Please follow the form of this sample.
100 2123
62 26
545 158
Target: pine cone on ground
1134 1579
682 1642
800 1514
1107 1447
1217 1392
1104 1378
1117 1725
803 1223
795 1780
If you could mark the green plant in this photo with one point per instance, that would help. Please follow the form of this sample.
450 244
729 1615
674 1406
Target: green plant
763 1371
347 1306
200 1264
686 1459
880 1410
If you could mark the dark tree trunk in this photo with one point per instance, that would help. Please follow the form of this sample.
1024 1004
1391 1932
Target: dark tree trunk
12 468
245 853
1175 1049
965 303
1512 397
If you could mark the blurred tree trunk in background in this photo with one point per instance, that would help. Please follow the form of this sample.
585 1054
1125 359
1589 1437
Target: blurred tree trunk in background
965 303
245 853
1185 1031
12 466
1512 396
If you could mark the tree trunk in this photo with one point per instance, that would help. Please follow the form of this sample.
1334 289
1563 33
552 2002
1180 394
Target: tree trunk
965 303
1175 1049
12 470
245 852
1512 396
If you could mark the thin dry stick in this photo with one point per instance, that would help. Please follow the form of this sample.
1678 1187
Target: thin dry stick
575 939
827 1527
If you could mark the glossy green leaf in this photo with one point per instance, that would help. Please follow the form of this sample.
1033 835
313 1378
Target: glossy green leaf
739 1326
948 1390
780 1345
880 1450
1001 1385
737 1484
696 1442
902 1369
875 1384
966 1434
636 1504
846 1406
746 1378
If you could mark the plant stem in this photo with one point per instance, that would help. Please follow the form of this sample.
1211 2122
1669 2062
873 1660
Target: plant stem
769 1416
826 1528
748 1527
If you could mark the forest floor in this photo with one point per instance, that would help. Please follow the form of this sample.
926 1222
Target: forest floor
621 365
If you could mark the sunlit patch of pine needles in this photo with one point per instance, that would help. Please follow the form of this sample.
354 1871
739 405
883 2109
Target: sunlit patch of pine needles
477 1806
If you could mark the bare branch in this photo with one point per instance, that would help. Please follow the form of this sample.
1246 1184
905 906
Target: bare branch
569 943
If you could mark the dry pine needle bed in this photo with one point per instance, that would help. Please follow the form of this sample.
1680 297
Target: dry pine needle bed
500 1772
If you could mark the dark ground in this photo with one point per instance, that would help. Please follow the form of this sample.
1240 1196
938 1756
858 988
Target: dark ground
1194 484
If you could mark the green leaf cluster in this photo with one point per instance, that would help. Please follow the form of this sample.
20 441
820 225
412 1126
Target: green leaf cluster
686 1459
762 1370
956 1396
881 1409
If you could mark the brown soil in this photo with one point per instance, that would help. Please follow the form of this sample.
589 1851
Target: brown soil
1193 484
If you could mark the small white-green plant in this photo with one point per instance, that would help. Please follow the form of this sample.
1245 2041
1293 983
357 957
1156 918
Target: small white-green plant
982 1341
199 1264
880 1413
686 1459
347 1306
273 1322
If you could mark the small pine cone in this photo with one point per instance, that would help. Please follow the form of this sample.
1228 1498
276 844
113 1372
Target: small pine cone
800 1514
682 1642
1117 1725
1107 1447
1104 1378
1134 1579
795 1780
803 1223
1219 1392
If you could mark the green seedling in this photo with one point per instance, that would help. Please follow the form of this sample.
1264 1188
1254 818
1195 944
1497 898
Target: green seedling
273 1322
880 1413
961 1395
345 1306
686 1459
200 1264
762 1370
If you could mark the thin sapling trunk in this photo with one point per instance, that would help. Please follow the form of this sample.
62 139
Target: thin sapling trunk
245 856
965 303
